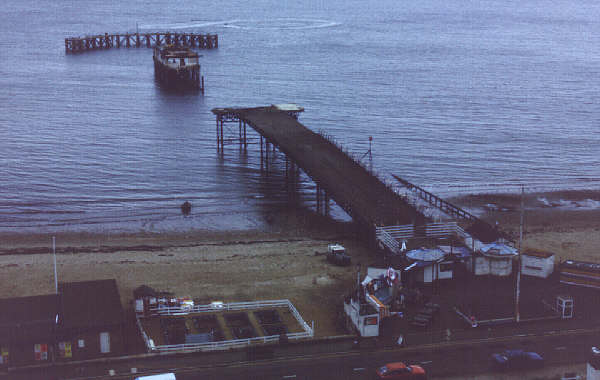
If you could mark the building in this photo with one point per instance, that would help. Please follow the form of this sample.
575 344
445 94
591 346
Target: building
27 326
84 320
91 323
493 259
537 263
429 264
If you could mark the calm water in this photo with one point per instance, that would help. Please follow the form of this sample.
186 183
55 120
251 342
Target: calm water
459 96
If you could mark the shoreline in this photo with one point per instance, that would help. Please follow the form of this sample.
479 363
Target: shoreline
564 222
231 266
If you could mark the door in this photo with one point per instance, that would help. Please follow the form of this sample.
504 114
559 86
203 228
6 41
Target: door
104 342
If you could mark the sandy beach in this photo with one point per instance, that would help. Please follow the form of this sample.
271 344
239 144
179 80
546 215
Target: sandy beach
284 263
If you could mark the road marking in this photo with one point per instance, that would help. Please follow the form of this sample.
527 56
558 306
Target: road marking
358 369
426 362
560 348
289 376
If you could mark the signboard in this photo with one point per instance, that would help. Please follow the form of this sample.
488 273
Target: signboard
41 351
64 349
3 355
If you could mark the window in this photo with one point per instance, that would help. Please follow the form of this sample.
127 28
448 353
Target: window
530 267
445 267
104 342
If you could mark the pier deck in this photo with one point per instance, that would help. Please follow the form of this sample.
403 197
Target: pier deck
354 188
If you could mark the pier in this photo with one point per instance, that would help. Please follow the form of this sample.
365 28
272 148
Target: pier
149 40
360 193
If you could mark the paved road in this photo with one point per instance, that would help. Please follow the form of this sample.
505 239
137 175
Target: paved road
467 360
331 361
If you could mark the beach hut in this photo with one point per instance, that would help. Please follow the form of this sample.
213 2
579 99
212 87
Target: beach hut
537 263
429 264
493 259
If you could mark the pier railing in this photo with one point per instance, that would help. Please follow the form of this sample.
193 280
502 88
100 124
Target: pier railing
147 39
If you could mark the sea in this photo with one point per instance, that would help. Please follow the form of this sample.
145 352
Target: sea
458 96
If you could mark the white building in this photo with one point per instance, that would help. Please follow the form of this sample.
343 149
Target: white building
537 263
494 259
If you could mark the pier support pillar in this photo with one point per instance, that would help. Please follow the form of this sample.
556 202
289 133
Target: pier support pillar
318 199
261 153
267 156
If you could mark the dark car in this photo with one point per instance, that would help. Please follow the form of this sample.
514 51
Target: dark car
399 370
517 359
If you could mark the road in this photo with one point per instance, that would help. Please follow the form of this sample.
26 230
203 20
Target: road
332 361
471 360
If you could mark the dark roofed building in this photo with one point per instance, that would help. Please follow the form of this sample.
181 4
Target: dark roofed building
91 322
27 327
84 320
90 303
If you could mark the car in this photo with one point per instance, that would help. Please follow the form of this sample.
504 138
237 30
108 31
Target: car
517 359
336 254
399 370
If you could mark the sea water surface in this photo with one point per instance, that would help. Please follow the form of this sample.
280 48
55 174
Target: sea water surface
459 97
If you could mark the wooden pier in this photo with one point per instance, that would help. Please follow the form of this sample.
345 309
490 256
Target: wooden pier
150 40
357 190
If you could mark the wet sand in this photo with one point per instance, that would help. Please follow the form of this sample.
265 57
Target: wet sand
284 263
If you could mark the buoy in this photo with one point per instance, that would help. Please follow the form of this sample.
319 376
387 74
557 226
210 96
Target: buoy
186 208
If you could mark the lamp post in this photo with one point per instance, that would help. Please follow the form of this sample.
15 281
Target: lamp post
518 286
55 274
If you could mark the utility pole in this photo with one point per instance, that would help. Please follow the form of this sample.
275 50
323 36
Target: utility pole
55 274
518 291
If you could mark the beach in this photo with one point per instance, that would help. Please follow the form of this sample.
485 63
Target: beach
287 262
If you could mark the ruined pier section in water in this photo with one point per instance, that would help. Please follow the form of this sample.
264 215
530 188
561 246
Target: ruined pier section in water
127 40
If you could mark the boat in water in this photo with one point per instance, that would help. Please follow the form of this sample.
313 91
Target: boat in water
177 67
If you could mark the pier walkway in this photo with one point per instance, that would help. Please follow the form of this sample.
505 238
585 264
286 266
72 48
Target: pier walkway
355 189
126 40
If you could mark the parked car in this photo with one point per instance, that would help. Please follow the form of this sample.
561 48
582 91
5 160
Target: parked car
399 370
517 359
336 254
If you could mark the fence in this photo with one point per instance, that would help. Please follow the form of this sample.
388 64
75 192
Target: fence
223 345
390 236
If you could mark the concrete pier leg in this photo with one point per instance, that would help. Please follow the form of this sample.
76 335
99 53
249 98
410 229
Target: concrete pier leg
245 140
267 156
318 199
286 172
218 139
222 140
261 153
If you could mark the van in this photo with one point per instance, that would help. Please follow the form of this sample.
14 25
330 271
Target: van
160 376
